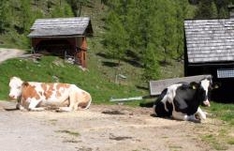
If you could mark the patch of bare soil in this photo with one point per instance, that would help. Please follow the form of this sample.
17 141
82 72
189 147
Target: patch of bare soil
101 128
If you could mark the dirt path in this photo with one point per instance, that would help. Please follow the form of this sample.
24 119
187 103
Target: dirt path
6 53
101 128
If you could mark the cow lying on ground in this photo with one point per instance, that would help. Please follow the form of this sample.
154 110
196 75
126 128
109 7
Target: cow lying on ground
182 100
37 96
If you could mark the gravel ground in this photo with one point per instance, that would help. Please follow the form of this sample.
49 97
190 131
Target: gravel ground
101 128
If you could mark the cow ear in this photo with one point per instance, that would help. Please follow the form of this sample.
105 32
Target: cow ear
194 85
25 84
216 85
209 77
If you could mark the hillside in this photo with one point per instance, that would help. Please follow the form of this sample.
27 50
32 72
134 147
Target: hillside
102 127
100 78
129 66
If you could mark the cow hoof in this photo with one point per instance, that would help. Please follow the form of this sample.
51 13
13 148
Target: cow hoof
24 110
195 120
58 110
21 108
197 117
17 106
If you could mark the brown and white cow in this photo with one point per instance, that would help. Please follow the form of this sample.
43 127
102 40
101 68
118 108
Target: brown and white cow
36 96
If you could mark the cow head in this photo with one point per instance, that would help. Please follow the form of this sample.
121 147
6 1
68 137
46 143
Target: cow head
207 84
204 88
15 85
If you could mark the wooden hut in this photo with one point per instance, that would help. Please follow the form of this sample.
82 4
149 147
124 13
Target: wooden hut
65 37
209 49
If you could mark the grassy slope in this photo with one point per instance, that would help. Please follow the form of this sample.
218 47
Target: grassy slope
99 80
49 69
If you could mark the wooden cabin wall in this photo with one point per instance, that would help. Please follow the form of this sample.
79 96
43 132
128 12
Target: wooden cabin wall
82 48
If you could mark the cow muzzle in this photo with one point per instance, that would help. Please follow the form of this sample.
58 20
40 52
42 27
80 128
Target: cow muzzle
206 103
12 97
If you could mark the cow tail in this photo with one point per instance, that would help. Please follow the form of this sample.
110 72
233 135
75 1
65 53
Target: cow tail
90 101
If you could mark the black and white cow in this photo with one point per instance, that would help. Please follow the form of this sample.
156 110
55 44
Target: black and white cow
182 100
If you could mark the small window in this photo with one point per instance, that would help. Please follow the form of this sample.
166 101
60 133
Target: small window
225 73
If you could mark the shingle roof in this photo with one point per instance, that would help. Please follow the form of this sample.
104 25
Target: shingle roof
61 27
209 40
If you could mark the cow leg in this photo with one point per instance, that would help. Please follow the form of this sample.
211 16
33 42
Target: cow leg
193 118
179 116
33 106
164 101
67 109
20 107
64 109
73 104
201 114
184 117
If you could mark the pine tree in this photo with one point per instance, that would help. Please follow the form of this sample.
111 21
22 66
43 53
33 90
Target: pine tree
116 38
206 9
77 5
152 29
151 67
25 17
3 16
222 7
61 11
182 9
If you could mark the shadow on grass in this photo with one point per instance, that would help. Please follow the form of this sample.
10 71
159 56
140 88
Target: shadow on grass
103 55
147 104
142 87
131 58
110 64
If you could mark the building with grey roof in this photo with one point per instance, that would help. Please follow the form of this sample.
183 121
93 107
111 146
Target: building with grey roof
62 36
209 49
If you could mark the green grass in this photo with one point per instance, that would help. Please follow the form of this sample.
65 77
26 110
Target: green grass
231 141
49 68
220 139
224 112
223 136
73 133
214 142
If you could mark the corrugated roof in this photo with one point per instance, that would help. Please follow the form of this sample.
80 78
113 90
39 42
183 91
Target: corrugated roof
61 27
225 73
209 40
